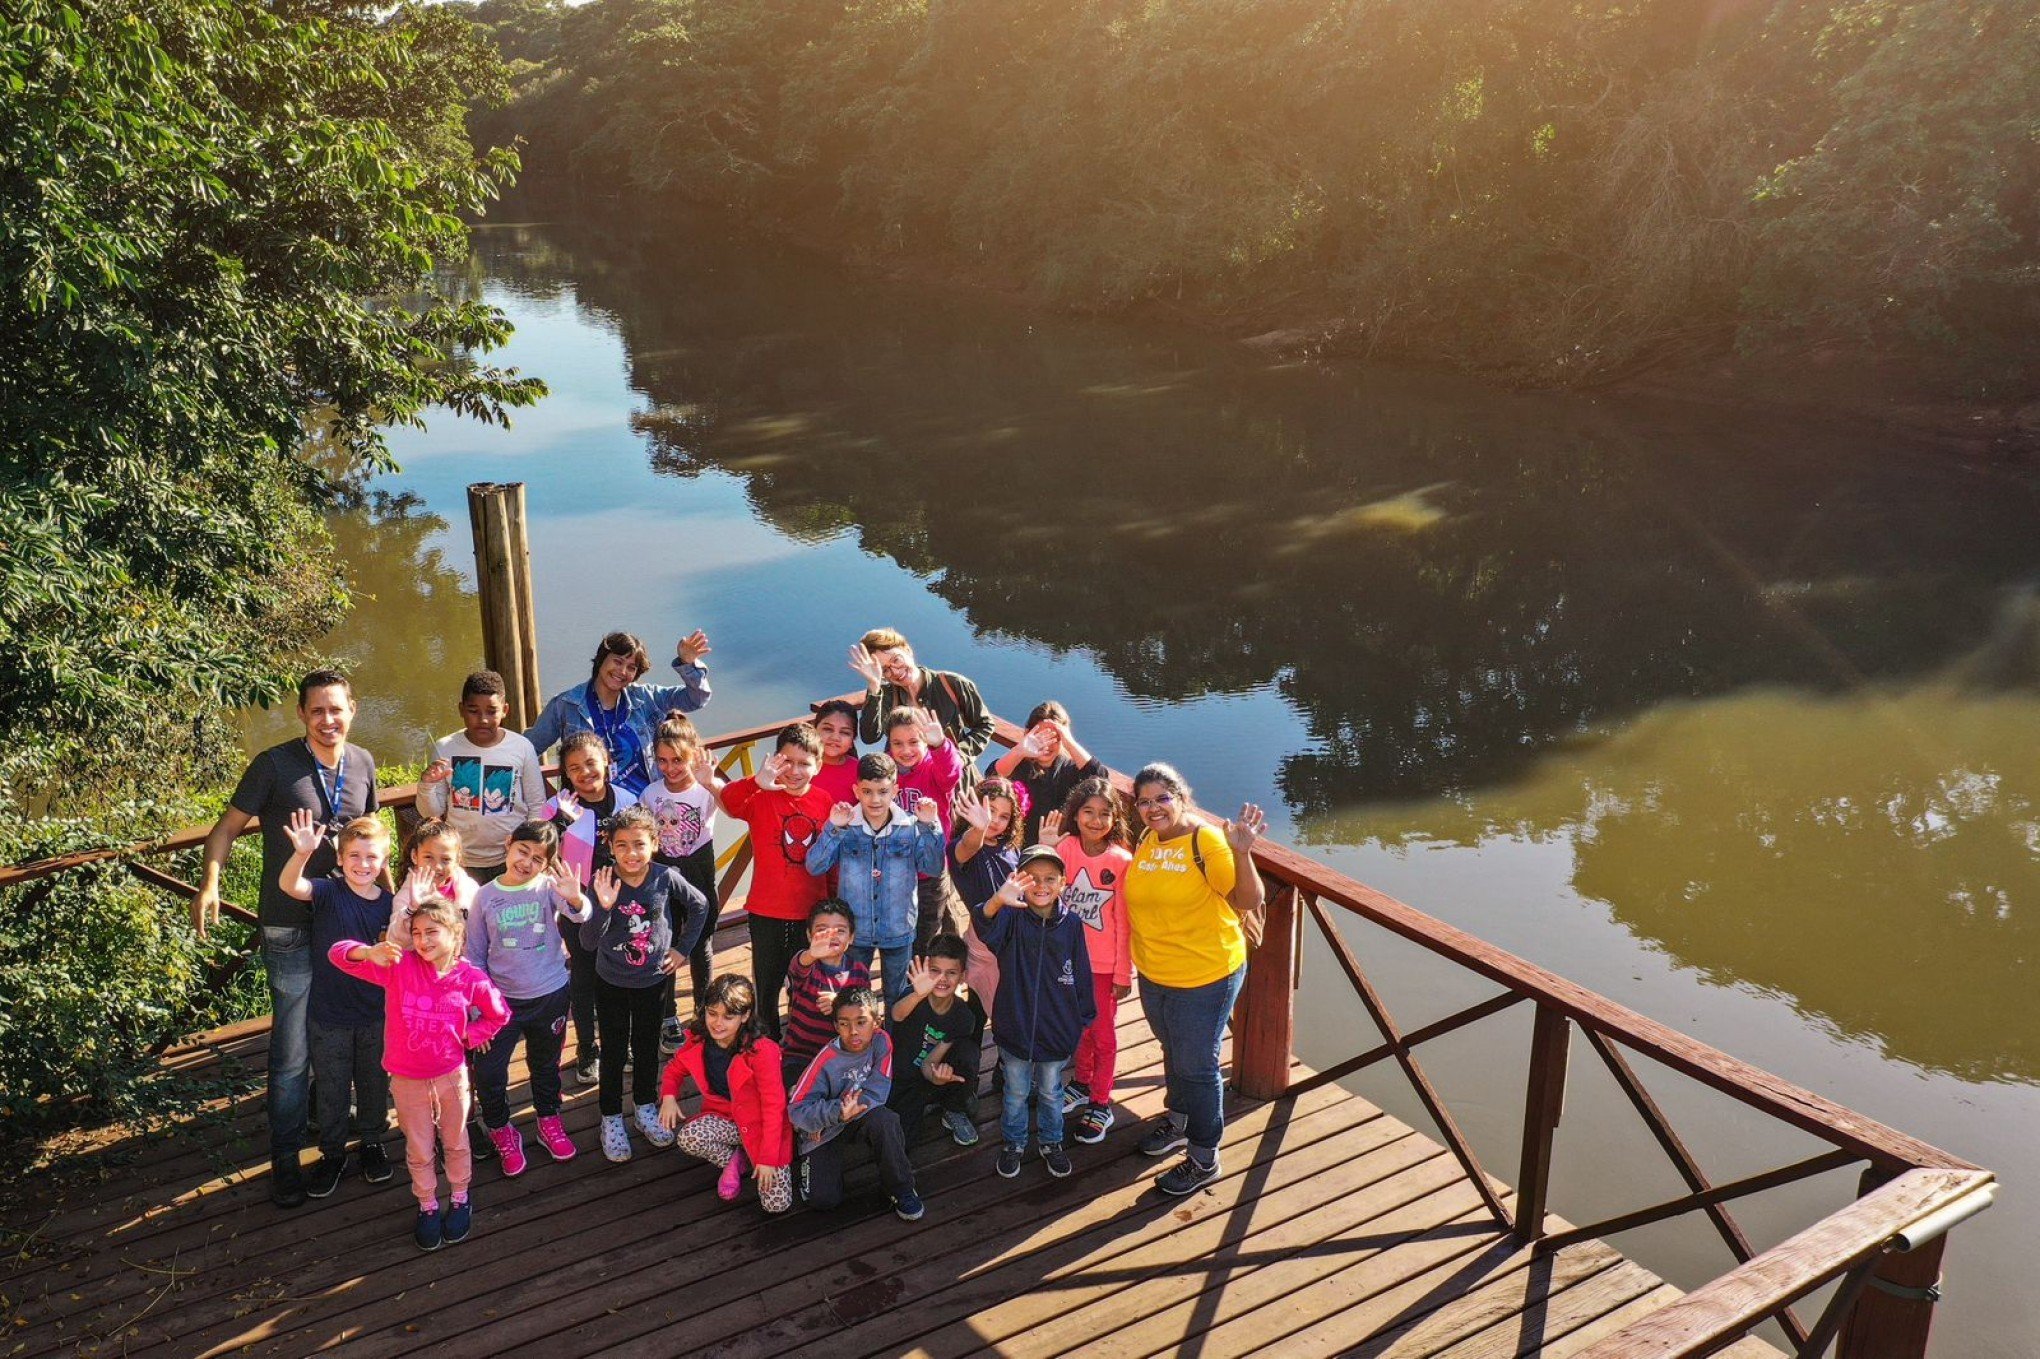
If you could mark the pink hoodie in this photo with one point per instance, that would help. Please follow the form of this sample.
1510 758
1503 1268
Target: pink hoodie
429 1019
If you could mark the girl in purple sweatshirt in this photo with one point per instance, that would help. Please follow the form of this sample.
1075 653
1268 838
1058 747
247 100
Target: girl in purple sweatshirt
437 1006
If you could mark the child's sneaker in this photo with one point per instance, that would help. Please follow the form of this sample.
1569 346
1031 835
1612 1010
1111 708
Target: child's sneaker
648 1123
325 1175
1186 1176
1008 1164
962 1131
1093 1121
1057 1161
428 1231
460 1216
588 1070
731 1183
1165 1137
375 1164
552 1135
480 1145
509 1144
671 1032
1074 1094
908 1207
615 1138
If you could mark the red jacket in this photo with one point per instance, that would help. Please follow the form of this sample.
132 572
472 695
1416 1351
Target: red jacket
757 1102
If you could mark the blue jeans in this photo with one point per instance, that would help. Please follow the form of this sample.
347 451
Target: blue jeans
1045 1080
287 958
895 960
1189 1022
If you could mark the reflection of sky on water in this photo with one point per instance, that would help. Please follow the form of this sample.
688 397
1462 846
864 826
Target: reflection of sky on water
1429 695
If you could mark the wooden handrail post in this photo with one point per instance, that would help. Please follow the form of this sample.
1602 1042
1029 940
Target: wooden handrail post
503 585
1543 1106
1264 1021
1892 1322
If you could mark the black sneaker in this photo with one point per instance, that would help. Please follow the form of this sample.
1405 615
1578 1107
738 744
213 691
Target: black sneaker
1186 1176
326 1175
1092 1122
286 1183
1008 1164
479 1145
588 1070
1165 1137
1057 1161
375 1164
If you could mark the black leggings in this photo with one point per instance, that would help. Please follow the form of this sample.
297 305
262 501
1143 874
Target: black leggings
580 990
774 944
629 1016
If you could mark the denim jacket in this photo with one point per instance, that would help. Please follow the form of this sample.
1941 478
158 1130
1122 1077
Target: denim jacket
878 872
644 706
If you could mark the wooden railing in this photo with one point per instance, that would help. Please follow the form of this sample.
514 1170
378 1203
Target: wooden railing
1884 1247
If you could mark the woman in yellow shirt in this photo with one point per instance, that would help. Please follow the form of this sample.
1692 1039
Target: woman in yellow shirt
1184 899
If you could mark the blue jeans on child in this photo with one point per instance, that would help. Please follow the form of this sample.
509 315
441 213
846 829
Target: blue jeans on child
1189 1022
1045 1081
895 960
287 959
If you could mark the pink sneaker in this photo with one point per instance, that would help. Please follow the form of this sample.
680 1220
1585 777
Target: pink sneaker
732 1182
553 1137
509 1148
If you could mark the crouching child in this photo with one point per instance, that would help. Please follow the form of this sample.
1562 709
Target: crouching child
840 1100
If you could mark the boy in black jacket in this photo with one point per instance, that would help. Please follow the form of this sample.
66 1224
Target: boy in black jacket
1044 1002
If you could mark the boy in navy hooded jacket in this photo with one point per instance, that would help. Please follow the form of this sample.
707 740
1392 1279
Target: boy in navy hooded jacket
1044 1002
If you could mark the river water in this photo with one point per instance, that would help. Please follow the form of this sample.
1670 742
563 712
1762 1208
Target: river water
1735 721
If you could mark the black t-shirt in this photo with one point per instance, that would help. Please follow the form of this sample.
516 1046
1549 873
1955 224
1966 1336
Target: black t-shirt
1047 789
338 1000
276 784
715 1064
922 1031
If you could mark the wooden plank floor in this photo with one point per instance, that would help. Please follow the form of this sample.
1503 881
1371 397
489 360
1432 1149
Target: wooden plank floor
1334 1230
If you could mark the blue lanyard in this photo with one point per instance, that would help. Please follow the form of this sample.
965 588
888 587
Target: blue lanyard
334 810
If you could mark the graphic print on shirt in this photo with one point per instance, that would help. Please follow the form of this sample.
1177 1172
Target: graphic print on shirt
477 786
636 947
1086 899
679 826
931 1039
424 1028
796 836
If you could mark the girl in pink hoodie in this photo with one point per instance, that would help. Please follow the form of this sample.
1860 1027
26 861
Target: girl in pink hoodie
1091 838
438 1007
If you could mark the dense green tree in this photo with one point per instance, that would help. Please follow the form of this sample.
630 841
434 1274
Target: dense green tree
218 225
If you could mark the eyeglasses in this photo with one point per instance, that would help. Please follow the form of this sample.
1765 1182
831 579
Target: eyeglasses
1158 800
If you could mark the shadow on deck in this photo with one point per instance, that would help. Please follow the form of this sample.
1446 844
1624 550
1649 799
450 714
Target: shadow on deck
1334 1230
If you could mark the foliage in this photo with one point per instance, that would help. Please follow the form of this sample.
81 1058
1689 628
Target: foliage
218 222
1556 192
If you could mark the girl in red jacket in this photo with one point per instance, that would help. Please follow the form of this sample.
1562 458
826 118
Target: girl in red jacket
742 1124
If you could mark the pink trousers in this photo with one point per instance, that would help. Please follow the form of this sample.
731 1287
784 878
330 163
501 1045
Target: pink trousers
980 972
425 1108
1098 1049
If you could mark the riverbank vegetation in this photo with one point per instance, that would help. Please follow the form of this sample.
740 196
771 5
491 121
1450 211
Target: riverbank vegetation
1555 193
217 225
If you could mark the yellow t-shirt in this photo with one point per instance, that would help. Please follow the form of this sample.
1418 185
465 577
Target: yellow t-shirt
1184 932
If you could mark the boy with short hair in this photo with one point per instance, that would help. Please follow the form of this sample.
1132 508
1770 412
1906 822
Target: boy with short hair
818 974
785 812
879 853
344 1015
939 1038
1044 1002
841 1099
484 780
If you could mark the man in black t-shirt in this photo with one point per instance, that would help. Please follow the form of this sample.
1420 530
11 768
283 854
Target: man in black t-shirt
335 781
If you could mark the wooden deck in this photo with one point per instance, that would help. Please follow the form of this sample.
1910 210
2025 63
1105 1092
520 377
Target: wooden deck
1335 1230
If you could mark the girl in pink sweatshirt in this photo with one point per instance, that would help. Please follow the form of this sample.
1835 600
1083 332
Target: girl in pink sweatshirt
1091 838
438 1006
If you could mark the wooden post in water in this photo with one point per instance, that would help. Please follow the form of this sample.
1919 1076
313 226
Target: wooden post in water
1264 1022
503 583
1891 1322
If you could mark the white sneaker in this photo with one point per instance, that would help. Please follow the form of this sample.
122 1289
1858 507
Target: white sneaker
615 1137
654 1131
